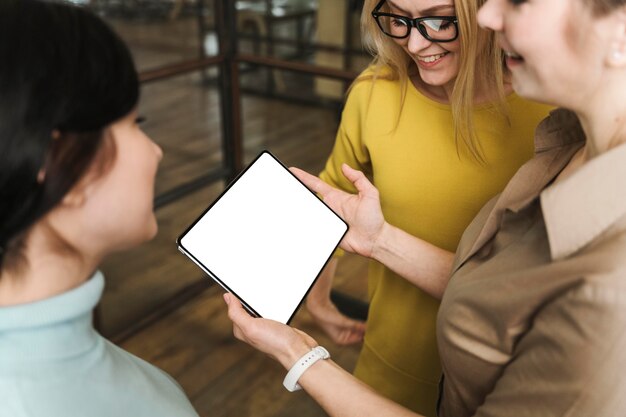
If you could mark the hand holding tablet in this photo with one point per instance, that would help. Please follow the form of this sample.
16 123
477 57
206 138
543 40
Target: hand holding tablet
265 239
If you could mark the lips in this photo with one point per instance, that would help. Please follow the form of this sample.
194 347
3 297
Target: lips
432 58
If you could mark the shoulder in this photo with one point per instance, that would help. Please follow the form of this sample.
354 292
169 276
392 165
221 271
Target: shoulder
521 105
525 111
375 83
119 384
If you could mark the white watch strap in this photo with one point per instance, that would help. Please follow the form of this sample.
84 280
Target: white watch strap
291 379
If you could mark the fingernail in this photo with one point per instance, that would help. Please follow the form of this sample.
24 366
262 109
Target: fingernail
226 298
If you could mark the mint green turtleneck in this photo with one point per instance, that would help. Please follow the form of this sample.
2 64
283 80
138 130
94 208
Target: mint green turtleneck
53 363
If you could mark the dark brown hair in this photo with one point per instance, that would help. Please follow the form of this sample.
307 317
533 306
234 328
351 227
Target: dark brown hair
64 77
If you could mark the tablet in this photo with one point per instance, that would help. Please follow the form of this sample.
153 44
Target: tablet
265 239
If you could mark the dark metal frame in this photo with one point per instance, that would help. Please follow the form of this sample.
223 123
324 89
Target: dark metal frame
416 23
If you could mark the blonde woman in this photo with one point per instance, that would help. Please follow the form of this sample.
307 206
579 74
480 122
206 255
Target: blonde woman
533 317
435 125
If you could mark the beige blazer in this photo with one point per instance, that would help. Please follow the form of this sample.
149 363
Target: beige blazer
533 322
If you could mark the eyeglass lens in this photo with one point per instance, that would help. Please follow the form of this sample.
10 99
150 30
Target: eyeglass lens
436 29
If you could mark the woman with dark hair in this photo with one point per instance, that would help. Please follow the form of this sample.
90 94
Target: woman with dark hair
533 313
76 184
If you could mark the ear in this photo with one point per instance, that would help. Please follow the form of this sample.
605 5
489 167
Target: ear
617 50
41 176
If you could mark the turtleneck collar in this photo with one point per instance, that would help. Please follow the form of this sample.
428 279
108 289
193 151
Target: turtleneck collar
56 328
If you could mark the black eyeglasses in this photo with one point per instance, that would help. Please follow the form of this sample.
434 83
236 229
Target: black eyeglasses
433 28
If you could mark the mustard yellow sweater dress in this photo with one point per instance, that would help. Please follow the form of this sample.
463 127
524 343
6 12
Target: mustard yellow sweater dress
430 191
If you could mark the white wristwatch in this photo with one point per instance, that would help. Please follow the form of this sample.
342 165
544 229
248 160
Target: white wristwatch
291 380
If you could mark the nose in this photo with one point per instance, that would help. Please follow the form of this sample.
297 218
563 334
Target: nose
417 41
490 15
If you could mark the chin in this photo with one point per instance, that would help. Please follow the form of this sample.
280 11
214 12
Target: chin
146 234
434 79
526 90
153 229
534 94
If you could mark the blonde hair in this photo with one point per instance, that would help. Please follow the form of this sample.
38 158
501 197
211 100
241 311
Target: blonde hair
481 66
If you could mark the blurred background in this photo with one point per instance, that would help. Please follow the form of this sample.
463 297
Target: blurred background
223 80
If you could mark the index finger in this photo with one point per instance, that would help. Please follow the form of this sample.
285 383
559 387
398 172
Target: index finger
312 182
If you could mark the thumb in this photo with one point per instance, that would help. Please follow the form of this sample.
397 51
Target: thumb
236 313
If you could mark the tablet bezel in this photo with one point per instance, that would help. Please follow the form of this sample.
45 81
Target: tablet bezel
183 250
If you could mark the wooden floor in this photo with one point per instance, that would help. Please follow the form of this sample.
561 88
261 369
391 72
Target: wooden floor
194 343
224 377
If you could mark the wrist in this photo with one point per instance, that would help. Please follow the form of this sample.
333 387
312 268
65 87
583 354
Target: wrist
379 246
303 363
294 352
317 305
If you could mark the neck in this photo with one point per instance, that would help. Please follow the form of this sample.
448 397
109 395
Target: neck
443 93
603 117
438 93
604 131
48 271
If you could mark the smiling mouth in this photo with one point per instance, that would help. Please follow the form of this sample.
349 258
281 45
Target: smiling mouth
432 58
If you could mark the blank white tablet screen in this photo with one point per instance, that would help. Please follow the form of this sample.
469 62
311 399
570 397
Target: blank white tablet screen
266 239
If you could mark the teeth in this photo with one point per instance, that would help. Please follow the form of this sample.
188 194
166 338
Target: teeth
431 58
509 54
